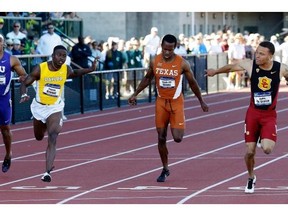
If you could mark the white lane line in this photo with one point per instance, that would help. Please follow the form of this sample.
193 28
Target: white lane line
178 162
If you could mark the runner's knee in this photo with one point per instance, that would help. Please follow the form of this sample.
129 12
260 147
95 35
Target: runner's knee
39 137
267 150
249 155
177 139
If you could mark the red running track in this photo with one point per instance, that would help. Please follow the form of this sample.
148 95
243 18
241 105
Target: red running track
111 157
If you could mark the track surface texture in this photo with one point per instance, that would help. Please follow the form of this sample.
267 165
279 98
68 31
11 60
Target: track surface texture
111 157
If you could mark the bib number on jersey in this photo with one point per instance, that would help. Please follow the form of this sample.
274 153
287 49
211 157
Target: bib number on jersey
167 82
262 98
2 80
52 90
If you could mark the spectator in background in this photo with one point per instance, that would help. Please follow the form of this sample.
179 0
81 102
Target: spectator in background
113 60
105 48
199 47
9 46
96 53
215 45
80 53
16 50
138 60
224 43
137 54
236 53
249 54
48 41
151 44
180 49
128 75
16 33
29 46
274 41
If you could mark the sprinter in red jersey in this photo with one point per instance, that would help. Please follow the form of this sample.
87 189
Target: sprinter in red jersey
260 122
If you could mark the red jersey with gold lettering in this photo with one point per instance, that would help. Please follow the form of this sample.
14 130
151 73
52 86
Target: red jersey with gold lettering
168 77
265 86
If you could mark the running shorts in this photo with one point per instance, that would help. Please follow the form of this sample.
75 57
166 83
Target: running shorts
260 124
5 109
170 111
41 112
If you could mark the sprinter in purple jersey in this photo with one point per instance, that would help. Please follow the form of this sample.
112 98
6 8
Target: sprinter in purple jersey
8 64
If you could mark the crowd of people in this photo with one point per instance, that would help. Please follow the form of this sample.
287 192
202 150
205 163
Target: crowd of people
116 53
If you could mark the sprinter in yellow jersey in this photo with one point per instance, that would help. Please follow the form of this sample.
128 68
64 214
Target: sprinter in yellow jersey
47 106
168 70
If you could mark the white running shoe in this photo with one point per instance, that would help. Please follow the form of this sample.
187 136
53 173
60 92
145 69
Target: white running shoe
46 177
250 185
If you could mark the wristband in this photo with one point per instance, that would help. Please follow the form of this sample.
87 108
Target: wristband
24 95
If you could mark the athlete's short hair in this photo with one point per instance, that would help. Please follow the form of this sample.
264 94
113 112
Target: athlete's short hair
59 47
269 45
170 39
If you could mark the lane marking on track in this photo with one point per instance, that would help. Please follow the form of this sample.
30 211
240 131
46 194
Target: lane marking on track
229 179
277 188
178 162
128 152
153 188
45 188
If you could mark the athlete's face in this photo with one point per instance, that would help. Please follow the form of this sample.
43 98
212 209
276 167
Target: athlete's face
262 55
167 49
59 57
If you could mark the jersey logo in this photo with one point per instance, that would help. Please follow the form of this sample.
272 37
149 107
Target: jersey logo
264 83
2 69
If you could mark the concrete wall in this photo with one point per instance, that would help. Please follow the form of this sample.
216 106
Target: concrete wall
101 25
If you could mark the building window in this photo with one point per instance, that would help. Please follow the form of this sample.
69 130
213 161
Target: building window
188 29
213 28
200 28
184 29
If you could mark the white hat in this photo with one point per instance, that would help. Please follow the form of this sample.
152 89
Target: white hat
9 41
154 29
16 41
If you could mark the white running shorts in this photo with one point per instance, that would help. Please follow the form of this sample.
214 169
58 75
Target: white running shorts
42 112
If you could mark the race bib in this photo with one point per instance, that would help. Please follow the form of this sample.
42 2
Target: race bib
52 90
262 98
167 82
2 80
